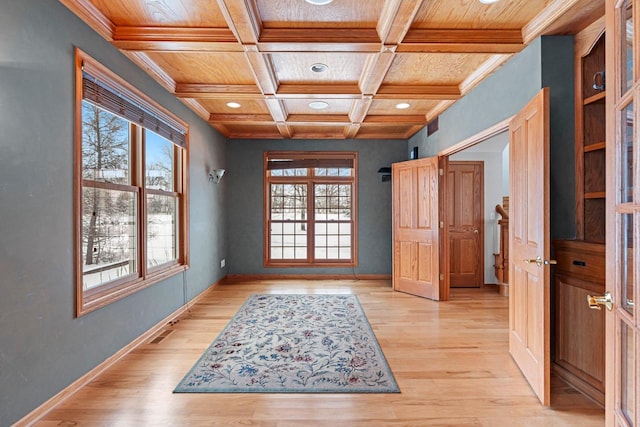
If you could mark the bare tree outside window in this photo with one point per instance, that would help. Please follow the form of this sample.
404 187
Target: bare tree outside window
108 214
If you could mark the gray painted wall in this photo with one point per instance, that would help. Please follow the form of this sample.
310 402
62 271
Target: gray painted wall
43 347
498 97
245 177
546 62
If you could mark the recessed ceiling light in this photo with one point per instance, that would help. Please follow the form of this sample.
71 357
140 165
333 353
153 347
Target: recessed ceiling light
488 1
233 105
403 106
319 67
318 105
318 2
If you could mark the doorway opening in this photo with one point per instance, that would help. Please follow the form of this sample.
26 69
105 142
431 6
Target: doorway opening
490 148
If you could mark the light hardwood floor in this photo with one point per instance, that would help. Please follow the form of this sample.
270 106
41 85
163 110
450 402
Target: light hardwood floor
450 360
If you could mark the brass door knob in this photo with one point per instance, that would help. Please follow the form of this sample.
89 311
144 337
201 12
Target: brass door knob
595 301
539 261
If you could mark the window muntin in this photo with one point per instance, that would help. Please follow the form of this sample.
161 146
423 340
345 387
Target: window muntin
131 202
109 236
310 217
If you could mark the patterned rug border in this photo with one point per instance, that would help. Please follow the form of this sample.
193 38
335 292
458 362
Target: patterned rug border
392 388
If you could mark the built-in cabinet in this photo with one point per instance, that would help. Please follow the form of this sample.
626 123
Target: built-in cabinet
579 330
590 134
579 344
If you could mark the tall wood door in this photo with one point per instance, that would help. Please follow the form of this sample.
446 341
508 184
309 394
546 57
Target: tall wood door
529 246
623 216
465 217
416 236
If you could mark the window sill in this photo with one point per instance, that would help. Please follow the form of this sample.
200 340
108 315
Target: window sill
101 299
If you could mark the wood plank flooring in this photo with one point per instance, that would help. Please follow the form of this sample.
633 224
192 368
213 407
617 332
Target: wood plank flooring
450 360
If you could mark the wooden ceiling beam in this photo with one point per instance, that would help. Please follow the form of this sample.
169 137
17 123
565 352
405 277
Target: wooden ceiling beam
352 130
285 130
245 22
393 119
482 72
321 133
263 70
259 119
175 39
154 70
393 24
311 91
277 109
318 119
360 108
197 107
351 40
418 92
250 134
545 18
221 128
209 91
375 69
396 19
92 16
422 40
243 19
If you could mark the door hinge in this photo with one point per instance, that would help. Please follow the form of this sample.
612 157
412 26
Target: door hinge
441 224
441 171
441 276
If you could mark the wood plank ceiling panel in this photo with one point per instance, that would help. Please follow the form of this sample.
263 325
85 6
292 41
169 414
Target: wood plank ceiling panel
378 53
432 68
176 13
229 68
338 14
471 14
295 67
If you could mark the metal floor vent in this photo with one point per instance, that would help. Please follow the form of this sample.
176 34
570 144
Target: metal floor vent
162 336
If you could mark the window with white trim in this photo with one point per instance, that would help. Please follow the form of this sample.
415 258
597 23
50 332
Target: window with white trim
310 209
131 201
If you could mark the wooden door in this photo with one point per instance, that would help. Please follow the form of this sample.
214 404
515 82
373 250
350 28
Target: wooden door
465 217
416 237
622 327
529 303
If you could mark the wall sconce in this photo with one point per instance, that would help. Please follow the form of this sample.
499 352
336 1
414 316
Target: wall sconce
216 175
385 174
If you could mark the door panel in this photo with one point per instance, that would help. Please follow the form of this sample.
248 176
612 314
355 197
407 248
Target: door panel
529 302
415 228
622 322
465 202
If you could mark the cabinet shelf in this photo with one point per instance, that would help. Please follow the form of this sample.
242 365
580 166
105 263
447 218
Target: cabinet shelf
595 98
594 147
595 195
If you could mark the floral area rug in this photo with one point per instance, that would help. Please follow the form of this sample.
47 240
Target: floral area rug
294 343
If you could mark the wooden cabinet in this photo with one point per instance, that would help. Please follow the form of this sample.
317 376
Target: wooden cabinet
579 344
579 331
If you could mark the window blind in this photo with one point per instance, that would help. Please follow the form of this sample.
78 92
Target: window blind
121 105
309 163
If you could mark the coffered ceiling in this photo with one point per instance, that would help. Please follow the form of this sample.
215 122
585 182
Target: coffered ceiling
260 55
